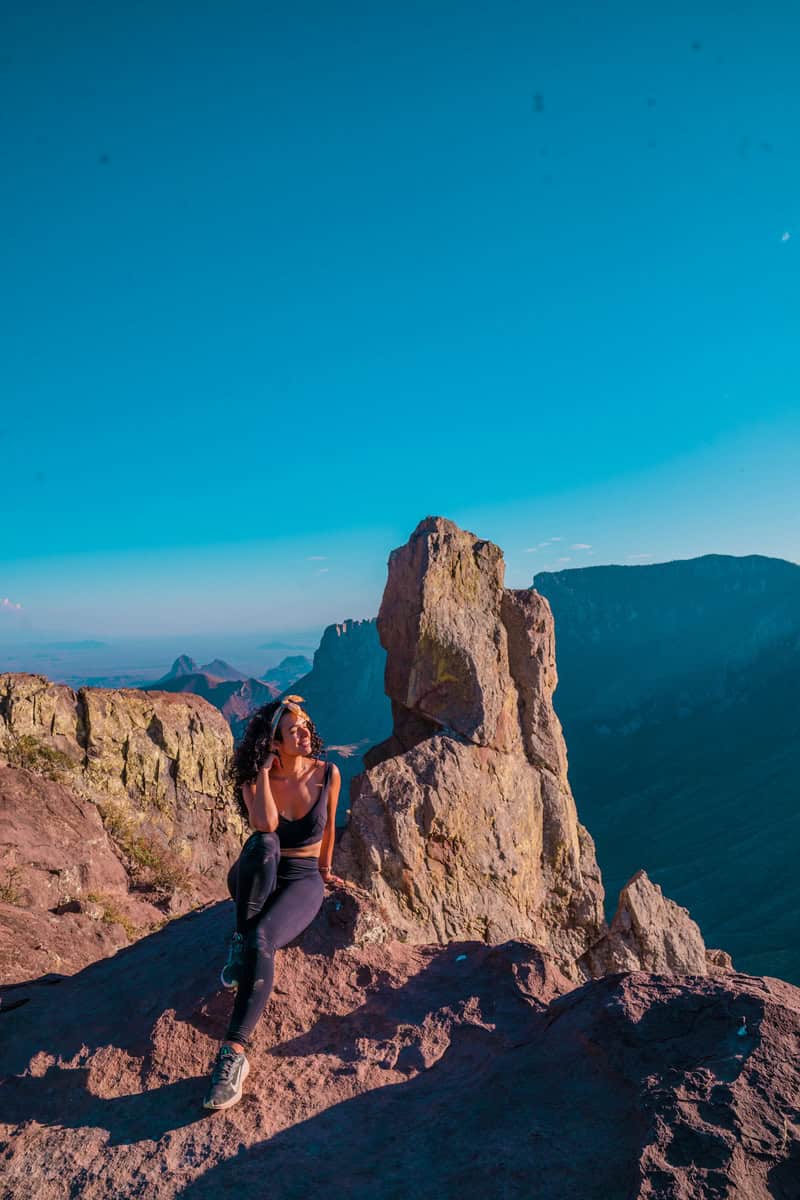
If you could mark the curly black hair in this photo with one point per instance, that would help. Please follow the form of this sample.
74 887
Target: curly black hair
254 747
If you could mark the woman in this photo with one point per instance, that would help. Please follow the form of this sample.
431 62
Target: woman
278 881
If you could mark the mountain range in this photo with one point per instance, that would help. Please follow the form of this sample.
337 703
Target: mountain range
678 692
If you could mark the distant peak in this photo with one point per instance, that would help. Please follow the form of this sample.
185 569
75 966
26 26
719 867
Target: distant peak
183 665
222 670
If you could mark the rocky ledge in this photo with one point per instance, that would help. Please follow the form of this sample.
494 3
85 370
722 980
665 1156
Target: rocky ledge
399 1069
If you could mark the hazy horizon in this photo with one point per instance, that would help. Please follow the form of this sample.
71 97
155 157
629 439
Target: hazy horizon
149 656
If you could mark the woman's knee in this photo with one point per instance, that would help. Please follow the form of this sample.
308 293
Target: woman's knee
266 841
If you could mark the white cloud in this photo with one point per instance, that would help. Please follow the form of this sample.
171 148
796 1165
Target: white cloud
785 236
564 559
316 557
581 546
8 605
637 557
531 549
556 539
322 570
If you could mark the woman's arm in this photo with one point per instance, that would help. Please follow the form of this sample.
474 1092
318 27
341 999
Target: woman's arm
261 807
329 836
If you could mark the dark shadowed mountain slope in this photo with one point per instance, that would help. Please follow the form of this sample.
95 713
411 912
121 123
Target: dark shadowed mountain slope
344 694
678 691
287 671
222 670
183 665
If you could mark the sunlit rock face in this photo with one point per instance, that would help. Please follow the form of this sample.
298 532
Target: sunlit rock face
159 759
464 825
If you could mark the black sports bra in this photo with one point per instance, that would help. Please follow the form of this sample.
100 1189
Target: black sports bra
308 829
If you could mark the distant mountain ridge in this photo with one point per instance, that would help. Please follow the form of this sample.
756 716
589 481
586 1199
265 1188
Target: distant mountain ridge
287 671
235 694
678 687
345 696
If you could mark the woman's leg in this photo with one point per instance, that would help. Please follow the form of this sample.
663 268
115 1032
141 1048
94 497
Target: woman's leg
288 911
253 877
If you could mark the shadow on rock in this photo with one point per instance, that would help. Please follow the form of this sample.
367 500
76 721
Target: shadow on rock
138 1117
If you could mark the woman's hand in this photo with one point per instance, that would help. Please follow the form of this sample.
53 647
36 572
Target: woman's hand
269 761
332 880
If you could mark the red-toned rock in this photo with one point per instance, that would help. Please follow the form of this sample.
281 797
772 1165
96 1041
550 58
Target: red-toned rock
399 1070
53 846
151 758
650 932
65 897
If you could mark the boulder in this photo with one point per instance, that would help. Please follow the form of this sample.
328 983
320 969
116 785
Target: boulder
650 932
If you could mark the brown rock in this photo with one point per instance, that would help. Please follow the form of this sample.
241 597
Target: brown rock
154 759
53 847
651 933
464 825
467 1070
35 942
719 962
440 623
60 879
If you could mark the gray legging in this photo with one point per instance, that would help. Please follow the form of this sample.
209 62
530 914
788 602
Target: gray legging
276 898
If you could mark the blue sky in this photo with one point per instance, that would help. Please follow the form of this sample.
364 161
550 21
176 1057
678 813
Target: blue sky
280 282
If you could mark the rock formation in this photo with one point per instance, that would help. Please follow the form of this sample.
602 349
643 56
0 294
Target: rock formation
161 755
236 696
145 770
463 825
649 932
398 1070
287 671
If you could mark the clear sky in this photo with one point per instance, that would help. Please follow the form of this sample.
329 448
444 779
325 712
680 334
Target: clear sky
279 281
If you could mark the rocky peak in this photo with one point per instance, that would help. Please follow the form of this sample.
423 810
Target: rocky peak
464 825
183 665
349 662
220 669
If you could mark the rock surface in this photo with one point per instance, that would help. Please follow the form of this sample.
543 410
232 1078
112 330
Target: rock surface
123 819
65 896
463 825
160 758
399 1070
649 932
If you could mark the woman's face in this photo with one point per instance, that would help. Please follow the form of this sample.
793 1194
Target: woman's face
295 734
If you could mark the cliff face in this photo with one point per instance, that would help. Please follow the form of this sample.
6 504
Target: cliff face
344 696
145 770
678 691
464 825
344 688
